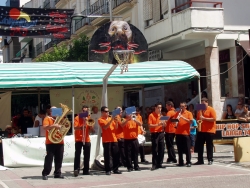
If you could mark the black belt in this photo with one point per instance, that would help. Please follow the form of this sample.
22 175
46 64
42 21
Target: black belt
157 132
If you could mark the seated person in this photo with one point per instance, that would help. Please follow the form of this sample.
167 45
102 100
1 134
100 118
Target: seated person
8 128
39 118
229 113
239 109
245 115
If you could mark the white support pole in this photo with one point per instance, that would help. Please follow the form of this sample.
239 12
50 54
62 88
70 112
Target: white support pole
104 103
199 89
73 109
110 10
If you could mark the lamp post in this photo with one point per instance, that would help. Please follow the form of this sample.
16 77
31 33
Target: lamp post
104 102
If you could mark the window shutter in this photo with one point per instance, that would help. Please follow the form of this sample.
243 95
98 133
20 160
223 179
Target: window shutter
156 10
147 10
164 6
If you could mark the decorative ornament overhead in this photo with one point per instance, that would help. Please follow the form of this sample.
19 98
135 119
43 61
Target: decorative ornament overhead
35 22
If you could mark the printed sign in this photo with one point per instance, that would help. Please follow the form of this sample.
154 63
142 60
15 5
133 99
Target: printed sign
35 22
234 129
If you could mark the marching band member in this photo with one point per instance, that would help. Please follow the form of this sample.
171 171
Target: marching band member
208 129
130 128
53 150
157 137
182 134
110 145
141 132
120 138
170 133
82 140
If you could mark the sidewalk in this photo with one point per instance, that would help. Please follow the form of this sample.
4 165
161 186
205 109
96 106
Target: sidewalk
223 173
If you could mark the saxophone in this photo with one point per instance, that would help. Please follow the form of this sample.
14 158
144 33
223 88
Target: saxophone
199 124
90 122
57 135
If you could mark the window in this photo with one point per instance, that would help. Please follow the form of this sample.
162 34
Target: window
224 85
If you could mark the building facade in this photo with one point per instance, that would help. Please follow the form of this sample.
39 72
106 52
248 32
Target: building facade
211 36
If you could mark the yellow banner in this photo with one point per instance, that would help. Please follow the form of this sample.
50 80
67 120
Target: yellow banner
87 96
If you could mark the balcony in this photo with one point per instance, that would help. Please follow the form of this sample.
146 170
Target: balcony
60 3
121 6
39 48
51 44
46 4
206 19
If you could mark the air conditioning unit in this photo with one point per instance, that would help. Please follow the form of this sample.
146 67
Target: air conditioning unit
154 55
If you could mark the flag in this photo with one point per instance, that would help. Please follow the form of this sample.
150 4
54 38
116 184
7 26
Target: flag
35 22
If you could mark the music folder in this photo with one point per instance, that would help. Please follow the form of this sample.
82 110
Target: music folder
116 112
130 110
200 107
56 111
83 115
164 118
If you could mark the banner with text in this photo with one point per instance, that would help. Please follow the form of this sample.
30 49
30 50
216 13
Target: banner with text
233 129
35 22
86 96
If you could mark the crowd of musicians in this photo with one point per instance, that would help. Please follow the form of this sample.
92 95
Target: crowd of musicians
120 138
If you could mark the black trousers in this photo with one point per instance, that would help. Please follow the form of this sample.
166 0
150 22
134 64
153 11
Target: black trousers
157 140
111 148
54 151
142 152
169 139
122 151
86 155
131 152
202 138
183 145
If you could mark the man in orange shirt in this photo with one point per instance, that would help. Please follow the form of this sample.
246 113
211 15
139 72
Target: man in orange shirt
82 140
170 133
53 150
182 134
208 129
157 137
130 128
120 139
109 140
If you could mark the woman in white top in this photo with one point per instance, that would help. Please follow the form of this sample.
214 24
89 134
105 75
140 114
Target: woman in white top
39 119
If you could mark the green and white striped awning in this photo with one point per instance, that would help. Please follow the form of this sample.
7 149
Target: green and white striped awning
55 74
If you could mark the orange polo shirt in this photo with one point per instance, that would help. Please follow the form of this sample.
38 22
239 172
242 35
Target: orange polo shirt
108 135
154 118
183 126
48 121
206 126
130 130
170 127
78 122
139 118
119 130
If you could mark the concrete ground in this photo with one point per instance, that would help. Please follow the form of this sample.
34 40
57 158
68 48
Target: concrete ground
223 173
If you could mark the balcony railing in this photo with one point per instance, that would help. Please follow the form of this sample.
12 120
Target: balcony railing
190 4
46 4
56 1
51 44
39 48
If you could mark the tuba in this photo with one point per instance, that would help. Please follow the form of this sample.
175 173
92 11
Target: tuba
57 135
90 121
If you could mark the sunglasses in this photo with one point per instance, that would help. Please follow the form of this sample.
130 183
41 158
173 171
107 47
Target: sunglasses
106 111
239 104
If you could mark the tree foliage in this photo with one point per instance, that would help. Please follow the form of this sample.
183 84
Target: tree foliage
78 51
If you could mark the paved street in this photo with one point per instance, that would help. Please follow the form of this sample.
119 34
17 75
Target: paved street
223 173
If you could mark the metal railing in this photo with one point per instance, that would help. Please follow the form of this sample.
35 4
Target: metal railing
190 4
46 4
51 44
56 1
39 48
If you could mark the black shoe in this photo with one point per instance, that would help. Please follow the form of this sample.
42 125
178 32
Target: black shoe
130 169
180 164
45 177
137 169
170 162
198 163
188 164
210 162
108 173
76 172
117 172
86 173
153 168
160 166
144 161
59 176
